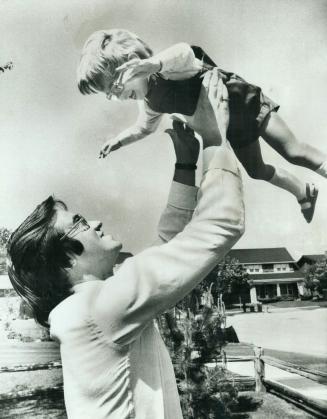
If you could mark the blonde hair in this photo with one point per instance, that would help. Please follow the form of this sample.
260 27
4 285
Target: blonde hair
102 53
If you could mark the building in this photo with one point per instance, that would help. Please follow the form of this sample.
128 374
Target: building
307 260
273 274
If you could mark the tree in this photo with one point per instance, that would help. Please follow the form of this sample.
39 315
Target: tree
230 280
195 339
7 66
4 237
198 337
316 276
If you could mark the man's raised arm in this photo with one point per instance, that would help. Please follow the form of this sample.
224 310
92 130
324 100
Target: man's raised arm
159 277
183 192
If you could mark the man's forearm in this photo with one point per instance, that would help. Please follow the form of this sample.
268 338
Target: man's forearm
186 177
181 203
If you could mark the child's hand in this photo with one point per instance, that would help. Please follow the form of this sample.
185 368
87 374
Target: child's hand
108 147
139 69
218 96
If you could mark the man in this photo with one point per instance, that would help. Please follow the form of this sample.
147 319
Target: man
115 364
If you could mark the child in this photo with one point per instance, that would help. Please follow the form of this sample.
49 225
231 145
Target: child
119 64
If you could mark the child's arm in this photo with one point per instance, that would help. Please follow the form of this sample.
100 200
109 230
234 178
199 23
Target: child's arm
147 122
172 62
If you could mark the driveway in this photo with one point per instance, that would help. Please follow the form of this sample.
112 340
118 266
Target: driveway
292 330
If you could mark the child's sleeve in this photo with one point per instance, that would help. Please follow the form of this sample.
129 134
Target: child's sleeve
146 123
178 60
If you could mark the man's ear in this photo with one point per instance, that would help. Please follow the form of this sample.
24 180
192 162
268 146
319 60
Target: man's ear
73 263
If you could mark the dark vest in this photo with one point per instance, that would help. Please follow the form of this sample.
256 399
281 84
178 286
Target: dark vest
177 96
181 96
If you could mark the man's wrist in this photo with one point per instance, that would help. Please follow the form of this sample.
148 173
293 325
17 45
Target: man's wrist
186 177
185 166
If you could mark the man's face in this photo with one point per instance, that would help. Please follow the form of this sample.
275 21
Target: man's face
100 250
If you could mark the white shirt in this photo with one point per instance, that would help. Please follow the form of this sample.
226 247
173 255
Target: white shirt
115 364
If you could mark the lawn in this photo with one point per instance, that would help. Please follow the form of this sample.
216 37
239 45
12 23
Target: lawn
268 406
290 304
300 359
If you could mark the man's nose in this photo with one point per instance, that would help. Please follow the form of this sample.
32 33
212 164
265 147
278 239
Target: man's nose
114 97
95 224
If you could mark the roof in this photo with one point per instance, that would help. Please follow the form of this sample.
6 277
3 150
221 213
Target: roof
272 278
261 255
277 281
310 258
277 276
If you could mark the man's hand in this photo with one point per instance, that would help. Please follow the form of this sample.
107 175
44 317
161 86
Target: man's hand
108 147
187 149
218 96
139 69
186 146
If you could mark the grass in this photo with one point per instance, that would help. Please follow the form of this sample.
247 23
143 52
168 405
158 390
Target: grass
251 406
28 380
281 304
50 407
303 360
267 406
290 304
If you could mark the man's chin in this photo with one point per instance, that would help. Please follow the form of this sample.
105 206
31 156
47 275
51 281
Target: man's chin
119 247
115 250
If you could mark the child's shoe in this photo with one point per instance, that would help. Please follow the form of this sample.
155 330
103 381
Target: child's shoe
308 203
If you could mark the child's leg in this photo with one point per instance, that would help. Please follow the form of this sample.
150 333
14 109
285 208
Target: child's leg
251 158
277 134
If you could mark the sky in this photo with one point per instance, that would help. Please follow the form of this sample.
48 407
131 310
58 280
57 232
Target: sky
50 134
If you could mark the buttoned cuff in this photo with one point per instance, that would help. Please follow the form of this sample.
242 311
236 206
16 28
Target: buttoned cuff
219 157
182 196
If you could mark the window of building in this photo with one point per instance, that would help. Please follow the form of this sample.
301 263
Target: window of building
266 291
288 290
268 267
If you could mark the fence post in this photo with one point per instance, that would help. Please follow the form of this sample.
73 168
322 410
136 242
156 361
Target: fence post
259 370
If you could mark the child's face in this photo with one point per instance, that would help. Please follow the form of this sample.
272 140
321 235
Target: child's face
124 88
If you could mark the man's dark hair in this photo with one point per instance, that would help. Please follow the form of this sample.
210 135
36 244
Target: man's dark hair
38 260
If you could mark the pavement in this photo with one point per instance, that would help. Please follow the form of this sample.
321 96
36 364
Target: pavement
301 330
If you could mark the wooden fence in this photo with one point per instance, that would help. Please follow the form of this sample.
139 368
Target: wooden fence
313 405
260 382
